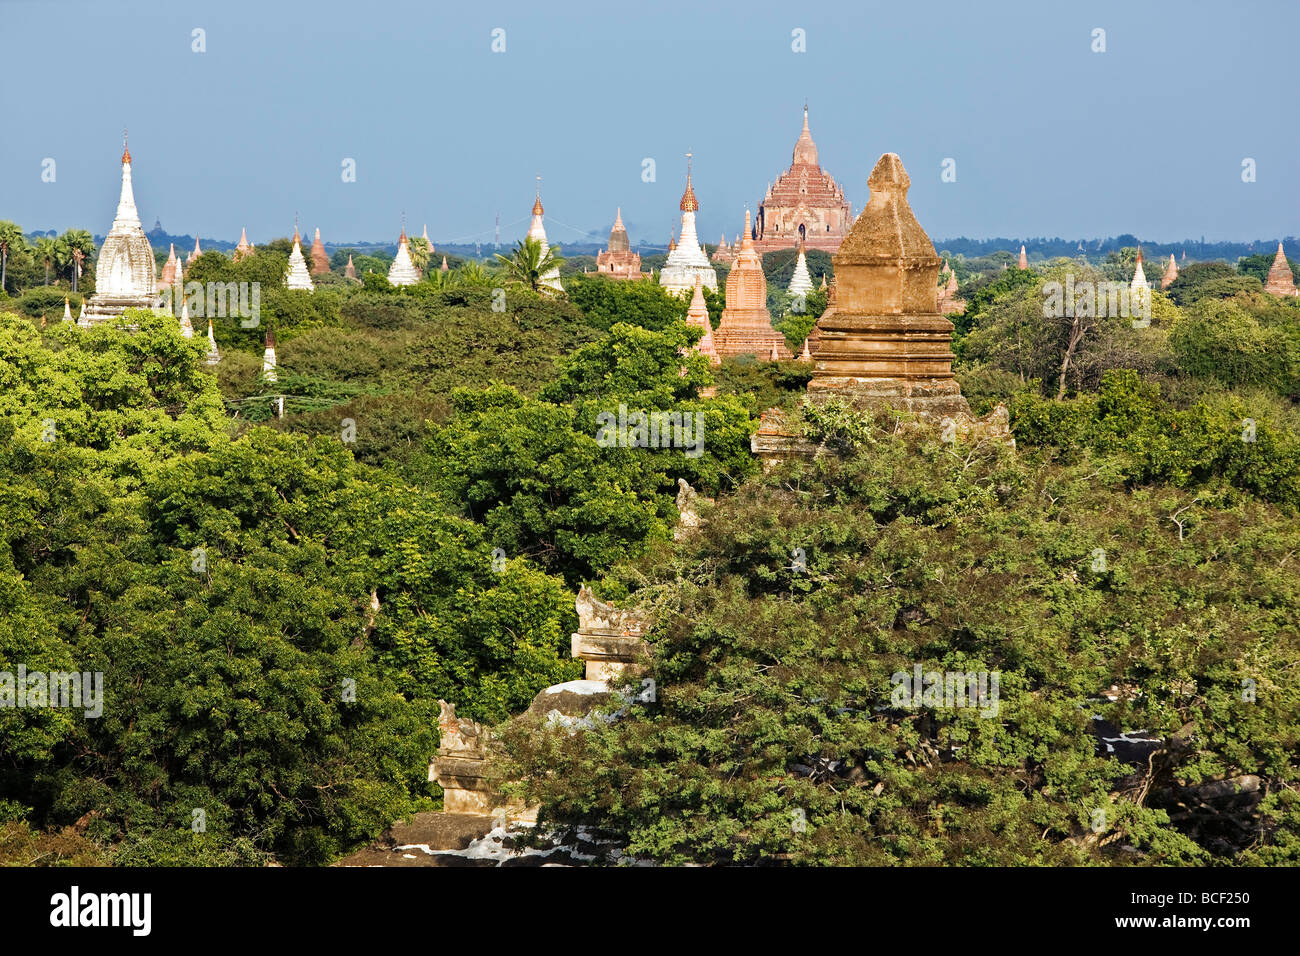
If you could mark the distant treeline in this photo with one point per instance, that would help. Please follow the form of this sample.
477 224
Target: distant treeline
1197 249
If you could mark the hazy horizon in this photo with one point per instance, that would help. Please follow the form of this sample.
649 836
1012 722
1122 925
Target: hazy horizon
1049 138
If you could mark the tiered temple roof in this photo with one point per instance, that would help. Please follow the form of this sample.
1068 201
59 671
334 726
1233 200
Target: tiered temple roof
320 261
298 277
1281 281
619 261
686 259
746 326
805 203
124 272
402 271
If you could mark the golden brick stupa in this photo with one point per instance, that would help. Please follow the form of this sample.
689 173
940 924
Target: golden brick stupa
883 341
746 326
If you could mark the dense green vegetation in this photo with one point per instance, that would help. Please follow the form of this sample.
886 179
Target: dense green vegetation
276 604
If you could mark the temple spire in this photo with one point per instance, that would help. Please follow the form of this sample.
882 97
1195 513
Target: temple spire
127 215
697 315
1024 260
537 232
1171 273
268 358
686 259
320 261
1281 281
213 355
402 271
801 282
805 150
297 276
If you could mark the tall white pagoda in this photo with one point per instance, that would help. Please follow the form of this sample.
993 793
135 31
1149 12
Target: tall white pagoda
687 260
402 271
124 272
1139 288
298 277
801 282
537 231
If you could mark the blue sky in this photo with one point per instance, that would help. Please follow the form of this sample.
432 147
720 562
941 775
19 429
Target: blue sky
1049 138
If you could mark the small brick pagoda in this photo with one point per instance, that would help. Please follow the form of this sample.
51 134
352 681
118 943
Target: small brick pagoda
1280 281
618 261
746 325
882 341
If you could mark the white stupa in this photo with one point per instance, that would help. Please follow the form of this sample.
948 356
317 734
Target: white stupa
298 277
213 355
67 310
268 358
536 230
402 271
687 260
1139 288
801 282
124 272
187 327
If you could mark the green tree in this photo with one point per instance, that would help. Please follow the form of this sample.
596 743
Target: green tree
526 265
46 252
12 243
72 248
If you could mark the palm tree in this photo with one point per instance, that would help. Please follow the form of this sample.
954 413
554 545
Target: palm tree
71 249
526 264
45 251
472 273
12 242
419 252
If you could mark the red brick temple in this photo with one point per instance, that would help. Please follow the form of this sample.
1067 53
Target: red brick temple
804 203
619 261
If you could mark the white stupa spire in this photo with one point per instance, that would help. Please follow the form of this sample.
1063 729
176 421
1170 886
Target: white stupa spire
213 355
402 271
801 282
687 260
127 215
268 358
187 327
537 231
67 310
298 276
